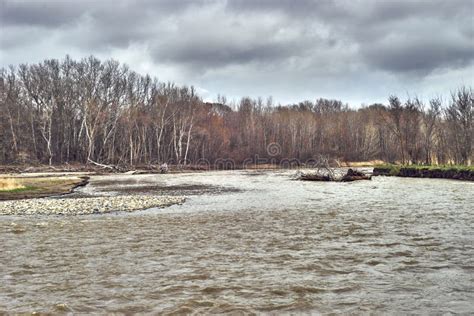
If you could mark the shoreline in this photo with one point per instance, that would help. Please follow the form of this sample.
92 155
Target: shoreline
88 169
86 205
28 186
433 172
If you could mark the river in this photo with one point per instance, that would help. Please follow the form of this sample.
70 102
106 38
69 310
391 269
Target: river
249 242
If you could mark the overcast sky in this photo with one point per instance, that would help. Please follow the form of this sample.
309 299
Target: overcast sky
359 51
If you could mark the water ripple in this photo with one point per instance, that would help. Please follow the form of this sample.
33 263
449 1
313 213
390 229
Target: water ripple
391 245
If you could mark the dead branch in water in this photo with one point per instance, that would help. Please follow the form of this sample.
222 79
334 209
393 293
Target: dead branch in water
323 167
351 175
325 173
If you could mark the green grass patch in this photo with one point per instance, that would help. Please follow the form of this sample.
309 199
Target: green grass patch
395 169
23 189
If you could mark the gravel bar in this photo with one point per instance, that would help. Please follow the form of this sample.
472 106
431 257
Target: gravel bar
88 205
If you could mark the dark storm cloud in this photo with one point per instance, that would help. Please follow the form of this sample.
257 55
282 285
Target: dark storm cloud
224 54
415 37
308 42
421 55
54 13
38 13
370 25
364 10
302 8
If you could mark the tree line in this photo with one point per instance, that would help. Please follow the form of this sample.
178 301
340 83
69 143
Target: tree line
89 111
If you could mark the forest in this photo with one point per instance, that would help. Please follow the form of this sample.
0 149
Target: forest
101 112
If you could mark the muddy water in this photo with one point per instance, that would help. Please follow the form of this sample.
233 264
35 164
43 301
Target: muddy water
253 243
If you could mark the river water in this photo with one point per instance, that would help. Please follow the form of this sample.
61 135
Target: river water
249 242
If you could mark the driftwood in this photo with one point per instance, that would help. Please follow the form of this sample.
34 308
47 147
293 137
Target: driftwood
314 177
164 168
111 167
323 171
351 175
354 175
100 165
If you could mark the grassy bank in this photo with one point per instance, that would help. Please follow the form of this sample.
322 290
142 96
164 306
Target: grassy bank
16 188
456 172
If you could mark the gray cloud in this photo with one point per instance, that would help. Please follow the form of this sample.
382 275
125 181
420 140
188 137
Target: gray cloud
39 13
419 56
299 47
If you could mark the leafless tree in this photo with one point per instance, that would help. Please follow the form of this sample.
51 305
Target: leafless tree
89 111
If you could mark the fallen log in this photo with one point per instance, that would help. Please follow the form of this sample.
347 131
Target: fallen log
351 175
101 165
354 175
314 177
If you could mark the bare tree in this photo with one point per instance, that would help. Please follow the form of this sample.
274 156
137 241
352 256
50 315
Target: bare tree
459 116
430 121
89 111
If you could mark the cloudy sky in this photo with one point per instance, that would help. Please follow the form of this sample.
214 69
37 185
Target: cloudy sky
359 51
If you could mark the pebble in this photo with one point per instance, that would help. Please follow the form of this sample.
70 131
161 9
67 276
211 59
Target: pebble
87 205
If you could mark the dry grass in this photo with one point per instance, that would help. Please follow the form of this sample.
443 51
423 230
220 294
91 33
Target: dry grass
360 164
16 187
9 184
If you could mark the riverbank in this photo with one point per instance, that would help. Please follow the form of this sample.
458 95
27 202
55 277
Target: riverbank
417 171
17 187
93 169
155 168
84 206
